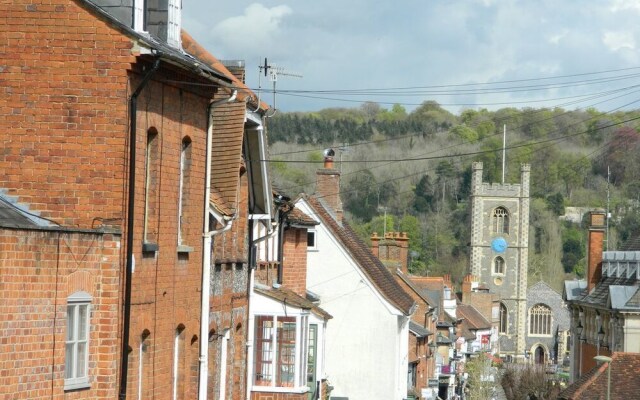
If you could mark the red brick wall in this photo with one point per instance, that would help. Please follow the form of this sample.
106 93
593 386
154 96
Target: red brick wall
65 79
294 272
39 270
230 283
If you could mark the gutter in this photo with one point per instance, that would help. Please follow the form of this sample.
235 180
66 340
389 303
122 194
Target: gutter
133 109
206 255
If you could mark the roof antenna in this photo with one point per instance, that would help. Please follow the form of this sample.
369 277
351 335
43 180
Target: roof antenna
272 71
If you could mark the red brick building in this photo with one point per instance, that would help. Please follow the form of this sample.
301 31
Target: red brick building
83 80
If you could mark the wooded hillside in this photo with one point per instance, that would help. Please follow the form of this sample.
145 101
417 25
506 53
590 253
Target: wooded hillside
416 167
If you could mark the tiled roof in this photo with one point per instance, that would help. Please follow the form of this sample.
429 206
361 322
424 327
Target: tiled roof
218 202
633 244
290 298
192 47
368 263
574 289
599 296
625 380
418 330
472 317
11 217
421 293
299 218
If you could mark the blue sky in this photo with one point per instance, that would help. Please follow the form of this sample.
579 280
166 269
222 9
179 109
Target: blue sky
463 54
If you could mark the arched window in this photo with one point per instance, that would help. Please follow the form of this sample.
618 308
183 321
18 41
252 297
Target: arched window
183 200
76 358
152 171
502 328
500 220
498 265
540 320
143 359
178 363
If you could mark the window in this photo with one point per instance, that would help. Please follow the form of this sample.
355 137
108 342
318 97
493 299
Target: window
174 23
178 363
276 351
142 360
76 356
312 357
139 16
540 320
185 169
502 327
500 222
311 239
498 266
151 188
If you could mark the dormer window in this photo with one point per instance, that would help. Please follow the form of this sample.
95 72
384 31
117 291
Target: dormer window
174 23
161 19
139 15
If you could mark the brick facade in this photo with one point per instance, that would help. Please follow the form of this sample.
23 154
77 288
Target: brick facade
294 268
67 74
40 269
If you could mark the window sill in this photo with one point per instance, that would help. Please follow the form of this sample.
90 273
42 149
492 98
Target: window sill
148 247
185 249
277 389
77 385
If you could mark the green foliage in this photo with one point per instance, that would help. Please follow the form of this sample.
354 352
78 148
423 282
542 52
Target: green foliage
573 247
483 377
564 148
555 202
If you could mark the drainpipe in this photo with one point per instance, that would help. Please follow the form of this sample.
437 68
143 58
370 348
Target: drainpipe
206 256
133 110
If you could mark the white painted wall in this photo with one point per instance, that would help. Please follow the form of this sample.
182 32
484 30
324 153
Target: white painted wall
367 340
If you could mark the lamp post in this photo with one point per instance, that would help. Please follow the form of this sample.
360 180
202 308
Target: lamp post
579 329
600 338
608 361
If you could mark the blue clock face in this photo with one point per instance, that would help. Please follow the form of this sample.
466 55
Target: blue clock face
499 245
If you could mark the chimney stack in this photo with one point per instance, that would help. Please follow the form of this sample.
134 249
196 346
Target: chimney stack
597 223
392 250
328 184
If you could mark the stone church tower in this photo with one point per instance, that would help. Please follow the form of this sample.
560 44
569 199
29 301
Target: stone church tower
499 252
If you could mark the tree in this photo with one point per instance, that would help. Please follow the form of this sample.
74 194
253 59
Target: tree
526 381
482 377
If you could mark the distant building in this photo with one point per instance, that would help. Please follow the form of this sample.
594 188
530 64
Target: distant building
499 252
605 307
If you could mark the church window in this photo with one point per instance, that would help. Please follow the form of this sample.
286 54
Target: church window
502 328
500 221
540 320
498 265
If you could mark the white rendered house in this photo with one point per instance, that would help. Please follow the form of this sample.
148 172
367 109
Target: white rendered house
366 353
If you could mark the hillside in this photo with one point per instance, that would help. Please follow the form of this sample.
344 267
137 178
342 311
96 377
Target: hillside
415 168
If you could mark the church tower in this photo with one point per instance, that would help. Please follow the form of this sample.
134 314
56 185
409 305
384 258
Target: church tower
499 251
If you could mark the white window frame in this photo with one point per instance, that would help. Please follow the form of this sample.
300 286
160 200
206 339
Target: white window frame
78 379
138 15
314 247
300 363
174 22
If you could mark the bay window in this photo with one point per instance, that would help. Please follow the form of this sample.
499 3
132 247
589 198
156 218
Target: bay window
279 357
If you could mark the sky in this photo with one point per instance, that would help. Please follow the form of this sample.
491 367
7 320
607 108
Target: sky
462 54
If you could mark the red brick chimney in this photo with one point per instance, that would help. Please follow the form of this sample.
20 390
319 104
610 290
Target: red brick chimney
466 288
597 223
393 250
328 184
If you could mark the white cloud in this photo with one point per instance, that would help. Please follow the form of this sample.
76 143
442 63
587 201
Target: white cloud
624 5
618 40
249 33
